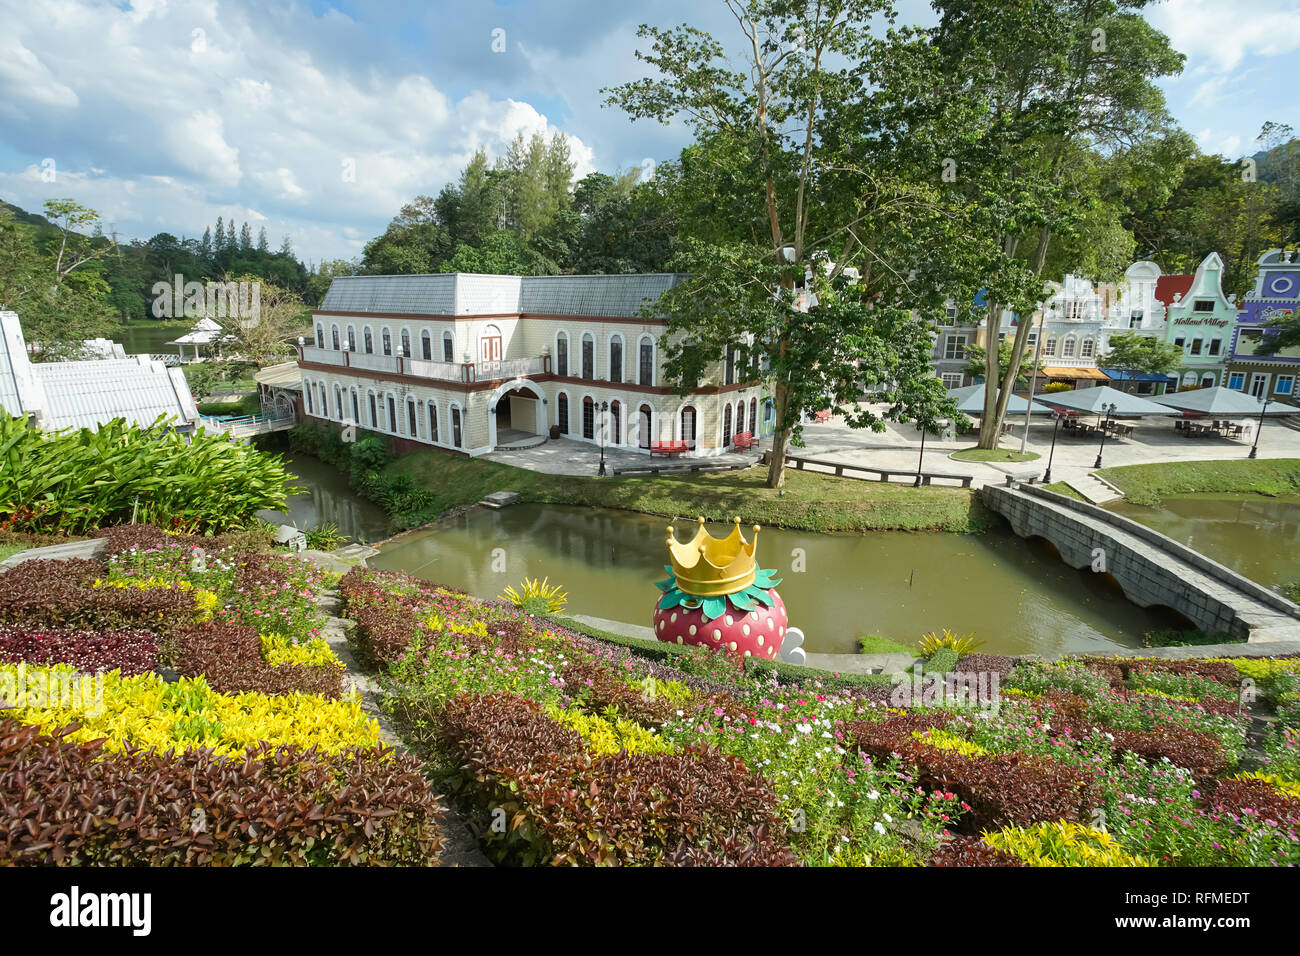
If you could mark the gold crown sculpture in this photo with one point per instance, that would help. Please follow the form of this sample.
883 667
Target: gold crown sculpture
708 567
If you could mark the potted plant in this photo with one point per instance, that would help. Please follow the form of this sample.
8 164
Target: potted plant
555 431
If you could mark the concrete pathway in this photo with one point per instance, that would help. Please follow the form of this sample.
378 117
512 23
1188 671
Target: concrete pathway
565 456
90 548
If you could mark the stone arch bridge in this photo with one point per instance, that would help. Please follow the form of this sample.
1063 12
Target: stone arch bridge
1150 567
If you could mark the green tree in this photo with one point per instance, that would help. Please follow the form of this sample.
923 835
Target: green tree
977 364
794 178
1136 354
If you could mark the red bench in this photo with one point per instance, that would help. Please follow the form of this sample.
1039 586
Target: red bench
823 416
667 448
744 440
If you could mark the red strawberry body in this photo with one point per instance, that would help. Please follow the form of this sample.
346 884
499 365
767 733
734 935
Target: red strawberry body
756 633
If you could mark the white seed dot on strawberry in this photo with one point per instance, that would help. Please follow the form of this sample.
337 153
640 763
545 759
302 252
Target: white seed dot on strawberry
760 640
730 620
732 645
679 638
717 634
692 630
744 629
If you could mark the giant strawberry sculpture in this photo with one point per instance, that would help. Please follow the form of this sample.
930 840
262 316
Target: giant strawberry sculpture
719 598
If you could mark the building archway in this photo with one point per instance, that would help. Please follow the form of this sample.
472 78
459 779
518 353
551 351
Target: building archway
516 406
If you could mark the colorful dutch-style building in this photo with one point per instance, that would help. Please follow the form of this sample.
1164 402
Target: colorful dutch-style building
1275 295
473 363
1200 319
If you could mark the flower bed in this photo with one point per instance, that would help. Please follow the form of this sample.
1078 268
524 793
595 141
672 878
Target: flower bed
1097 762
254 755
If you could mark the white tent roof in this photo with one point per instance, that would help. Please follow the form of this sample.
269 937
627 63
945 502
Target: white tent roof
1222 401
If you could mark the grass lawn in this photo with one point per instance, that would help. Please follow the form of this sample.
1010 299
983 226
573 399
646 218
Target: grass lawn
6 550
1061 488
875 644
812 502
993 454
1148 484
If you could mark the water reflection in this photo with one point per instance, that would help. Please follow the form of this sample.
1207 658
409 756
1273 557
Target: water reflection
1016 596
1254 535
328 498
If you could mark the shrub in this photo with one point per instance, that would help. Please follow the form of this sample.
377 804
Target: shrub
1063 844
61 594
1201 753
930 643
943 660
1254 797
986 664
567 807
971 851
550 597
131 652
229 657
62 803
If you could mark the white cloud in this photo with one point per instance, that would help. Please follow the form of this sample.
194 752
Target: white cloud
1223 35
182 126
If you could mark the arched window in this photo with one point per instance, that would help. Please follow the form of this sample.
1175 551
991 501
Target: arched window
588 417
740 417
307 394
1087 347
616 359
374 410
688 426
588 356
562 413
387 339
338 402
562 353
334 337
406 342
413 428
645 421
392 414
1067 348
356 409
726 426
352 338
616 423
433 421
455 426
448 347
1049 345
646 361
729 376
369 341
426 346
490 345
320 336
324 401
753 415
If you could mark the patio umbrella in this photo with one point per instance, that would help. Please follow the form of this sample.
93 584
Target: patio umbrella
1095 400
970 401
1225 402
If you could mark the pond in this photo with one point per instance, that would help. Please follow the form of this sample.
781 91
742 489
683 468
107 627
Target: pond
1015 596
327 498
139 338
1255 535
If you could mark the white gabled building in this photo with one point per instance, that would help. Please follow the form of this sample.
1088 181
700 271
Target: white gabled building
469 363
91 393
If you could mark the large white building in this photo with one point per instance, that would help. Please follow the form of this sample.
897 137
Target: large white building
471 363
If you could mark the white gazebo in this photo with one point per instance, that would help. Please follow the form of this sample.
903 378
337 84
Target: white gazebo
205 332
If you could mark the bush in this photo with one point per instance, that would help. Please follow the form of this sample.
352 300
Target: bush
229 658
566 807
131 652
1246 797
61 594
971 851
1202 754
63 803
944 659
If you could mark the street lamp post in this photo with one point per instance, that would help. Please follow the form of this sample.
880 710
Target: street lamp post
1056 423
920 458
604 407
1254 449
1110 410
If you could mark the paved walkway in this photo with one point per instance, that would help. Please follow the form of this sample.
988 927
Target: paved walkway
565 456
1154 440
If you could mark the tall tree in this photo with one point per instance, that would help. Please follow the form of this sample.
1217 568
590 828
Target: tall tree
263 244
245 238
797 176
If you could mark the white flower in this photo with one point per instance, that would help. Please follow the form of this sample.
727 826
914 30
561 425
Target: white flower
888 818
804 728
878 827
873 795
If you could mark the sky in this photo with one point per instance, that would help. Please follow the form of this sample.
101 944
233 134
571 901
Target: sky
318 120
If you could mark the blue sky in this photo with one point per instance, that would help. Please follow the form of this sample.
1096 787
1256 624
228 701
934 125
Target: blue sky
164 114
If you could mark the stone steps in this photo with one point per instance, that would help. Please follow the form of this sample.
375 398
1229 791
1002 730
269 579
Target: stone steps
1094 489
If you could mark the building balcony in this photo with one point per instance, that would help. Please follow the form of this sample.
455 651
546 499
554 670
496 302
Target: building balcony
482 374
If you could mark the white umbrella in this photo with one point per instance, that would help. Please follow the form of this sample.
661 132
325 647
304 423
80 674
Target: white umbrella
1097 401
970 401
1227 402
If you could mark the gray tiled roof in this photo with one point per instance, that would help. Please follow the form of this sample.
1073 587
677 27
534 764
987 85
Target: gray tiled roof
462 294
624 295
416 295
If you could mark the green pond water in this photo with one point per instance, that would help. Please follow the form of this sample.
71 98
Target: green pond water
326 497
139 338
1255 535
1015 596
